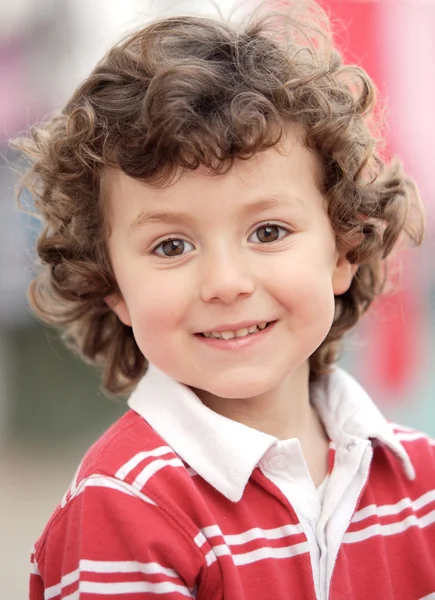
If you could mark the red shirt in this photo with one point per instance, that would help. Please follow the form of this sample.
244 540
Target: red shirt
176 506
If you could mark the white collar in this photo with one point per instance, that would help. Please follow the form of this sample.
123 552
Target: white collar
225 452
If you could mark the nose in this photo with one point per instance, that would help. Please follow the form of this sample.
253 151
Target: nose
225 279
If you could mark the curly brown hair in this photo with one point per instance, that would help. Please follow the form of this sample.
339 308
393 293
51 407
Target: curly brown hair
189 91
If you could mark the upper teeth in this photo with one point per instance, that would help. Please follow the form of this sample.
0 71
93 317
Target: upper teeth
229 335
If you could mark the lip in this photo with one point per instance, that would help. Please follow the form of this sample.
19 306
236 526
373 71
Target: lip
237 343
234 326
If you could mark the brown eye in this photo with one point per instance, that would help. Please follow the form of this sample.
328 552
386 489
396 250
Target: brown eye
174 247
268 233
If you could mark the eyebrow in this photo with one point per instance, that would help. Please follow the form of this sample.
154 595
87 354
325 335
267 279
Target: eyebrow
251 208
272 201
170 218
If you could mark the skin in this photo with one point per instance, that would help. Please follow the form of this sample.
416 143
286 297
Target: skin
224 274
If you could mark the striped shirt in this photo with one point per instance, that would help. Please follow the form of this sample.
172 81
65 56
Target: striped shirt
175 501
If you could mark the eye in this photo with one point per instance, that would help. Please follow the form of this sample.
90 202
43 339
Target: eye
268 233
173 247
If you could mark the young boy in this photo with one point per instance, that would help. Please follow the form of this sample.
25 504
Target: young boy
216 217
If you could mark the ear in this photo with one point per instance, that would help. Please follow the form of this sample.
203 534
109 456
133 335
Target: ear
343 274
119 306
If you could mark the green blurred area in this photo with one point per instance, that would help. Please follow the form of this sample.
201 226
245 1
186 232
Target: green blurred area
56 397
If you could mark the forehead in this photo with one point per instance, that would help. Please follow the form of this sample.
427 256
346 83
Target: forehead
289 168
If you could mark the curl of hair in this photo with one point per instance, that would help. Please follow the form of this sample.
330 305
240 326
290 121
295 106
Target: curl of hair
189 91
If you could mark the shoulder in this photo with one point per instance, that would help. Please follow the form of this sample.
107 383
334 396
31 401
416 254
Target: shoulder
404 467
128 435
123 502
420 448
130 456
129 469
125 438
409 467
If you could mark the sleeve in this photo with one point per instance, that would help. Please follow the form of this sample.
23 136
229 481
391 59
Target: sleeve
110 541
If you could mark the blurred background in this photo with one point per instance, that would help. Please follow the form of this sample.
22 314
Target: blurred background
51 408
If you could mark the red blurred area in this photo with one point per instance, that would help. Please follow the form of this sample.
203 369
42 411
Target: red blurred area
394 335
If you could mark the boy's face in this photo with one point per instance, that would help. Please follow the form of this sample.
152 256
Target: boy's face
222 254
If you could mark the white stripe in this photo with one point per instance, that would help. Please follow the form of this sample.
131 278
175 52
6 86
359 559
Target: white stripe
268 534
221 550
263 553
132 587
75 478
125 566
65 498
389 529
246 558
152 468
212 531
210 558
74 596
123 471
34 569
72 487
393 509
429 597
114 484
247 536
199 539
109 566
67 579
253 534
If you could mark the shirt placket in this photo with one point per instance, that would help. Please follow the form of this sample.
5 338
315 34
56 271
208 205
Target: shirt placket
285 466
323 524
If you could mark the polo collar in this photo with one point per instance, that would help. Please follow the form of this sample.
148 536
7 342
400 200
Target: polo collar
346 410
222 451
225 452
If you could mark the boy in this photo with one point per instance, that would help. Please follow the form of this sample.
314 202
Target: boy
215 207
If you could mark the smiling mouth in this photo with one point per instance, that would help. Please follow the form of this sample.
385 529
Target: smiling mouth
239 333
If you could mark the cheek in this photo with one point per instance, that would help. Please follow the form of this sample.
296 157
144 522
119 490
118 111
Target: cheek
157 306
307 293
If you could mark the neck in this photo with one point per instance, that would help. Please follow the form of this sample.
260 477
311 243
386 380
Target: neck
283 412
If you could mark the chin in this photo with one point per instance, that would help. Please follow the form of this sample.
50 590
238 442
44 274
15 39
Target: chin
241 387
